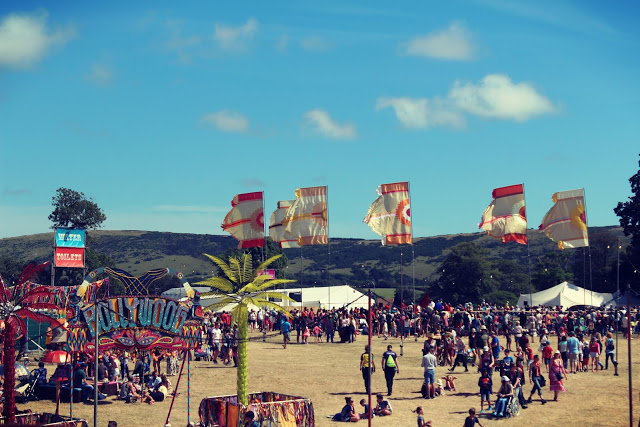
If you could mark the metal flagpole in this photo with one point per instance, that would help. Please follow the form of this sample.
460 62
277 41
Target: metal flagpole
413 254
629 354
188 388
617 308
524 198
369 412
401 281
584 276
95 362
328 275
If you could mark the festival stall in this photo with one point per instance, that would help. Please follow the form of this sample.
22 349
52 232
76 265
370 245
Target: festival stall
137 321
46 420
271 410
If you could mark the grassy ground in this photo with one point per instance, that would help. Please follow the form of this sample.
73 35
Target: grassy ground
326 373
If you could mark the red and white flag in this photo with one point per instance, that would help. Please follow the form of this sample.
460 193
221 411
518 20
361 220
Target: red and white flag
505 217
245 220
390 214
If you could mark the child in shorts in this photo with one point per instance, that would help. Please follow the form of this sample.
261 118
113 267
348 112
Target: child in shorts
485 385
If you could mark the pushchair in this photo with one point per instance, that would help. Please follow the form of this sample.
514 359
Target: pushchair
26 388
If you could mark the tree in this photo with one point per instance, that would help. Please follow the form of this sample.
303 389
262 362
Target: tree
551 269
16 305
242 286
270 250
629 215
73 209
465 275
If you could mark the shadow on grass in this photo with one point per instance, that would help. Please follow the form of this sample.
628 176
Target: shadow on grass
462 394
408 379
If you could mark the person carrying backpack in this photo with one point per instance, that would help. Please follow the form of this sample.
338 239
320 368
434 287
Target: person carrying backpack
391 368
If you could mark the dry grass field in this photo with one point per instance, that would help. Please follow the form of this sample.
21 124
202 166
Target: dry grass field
326 373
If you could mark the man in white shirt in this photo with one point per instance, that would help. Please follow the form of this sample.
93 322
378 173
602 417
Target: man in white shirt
216 333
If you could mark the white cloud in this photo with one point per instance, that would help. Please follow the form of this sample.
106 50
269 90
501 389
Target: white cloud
421 113
100 75
227 120
182 45
283 42
454 44
25 38
235 38
496 96
315 44
322 123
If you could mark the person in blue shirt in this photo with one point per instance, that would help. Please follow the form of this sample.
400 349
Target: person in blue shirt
573 350
495 346
285 327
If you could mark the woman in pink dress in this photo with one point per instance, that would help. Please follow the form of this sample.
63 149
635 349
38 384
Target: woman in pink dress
557 374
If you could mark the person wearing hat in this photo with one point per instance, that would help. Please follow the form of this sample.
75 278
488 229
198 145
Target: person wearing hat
487 362
503 396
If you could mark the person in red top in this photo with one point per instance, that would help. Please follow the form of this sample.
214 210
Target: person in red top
547 352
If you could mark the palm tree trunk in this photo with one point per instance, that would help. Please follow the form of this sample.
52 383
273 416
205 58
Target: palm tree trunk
243 362
9 358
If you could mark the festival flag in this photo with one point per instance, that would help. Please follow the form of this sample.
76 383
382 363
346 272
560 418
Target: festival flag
277 231
390 214
307 218
505 216
566 221
245 220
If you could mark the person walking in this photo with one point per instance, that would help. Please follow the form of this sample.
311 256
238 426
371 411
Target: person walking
391 368
365 363
461 355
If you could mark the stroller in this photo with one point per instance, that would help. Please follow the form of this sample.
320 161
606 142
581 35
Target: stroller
26 388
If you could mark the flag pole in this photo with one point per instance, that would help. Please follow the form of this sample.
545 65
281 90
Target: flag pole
617 307
629 353
413 253
526 231
328 275
265 230
586 219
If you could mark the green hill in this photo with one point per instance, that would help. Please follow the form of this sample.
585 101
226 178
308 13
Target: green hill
353 261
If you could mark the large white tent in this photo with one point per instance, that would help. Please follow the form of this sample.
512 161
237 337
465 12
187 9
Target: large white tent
565 295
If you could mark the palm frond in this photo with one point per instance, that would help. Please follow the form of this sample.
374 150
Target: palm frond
234 263
272 283
217 306
226 269
220 283
266 263
247 267
268 304
276 295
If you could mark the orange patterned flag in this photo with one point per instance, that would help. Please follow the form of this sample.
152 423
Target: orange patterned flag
245 220
505 217
390 214
307 218
277 231
566 221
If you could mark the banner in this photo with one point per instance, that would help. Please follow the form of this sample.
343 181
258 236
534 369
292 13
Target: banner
245 220
69 257
566 221
277 231
307 218
270 273
390 214
69 237
505 217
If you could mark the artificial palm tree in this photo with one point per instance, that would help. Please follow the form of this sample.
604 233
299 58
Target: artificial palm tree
16 305
242 286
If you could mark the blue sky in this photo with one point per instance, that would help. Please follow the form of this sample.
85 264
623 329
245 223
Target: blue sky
162 111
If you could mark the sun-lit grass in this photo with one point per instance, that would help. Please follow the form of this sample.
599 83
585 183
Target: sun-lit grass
327 373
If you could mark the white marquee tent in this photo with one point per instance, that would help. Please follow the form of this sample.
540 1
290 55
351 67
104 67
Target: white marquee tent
566 295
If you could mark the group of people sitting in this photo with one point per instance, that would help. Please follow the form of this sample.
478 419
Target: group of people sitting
349 414
156 389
